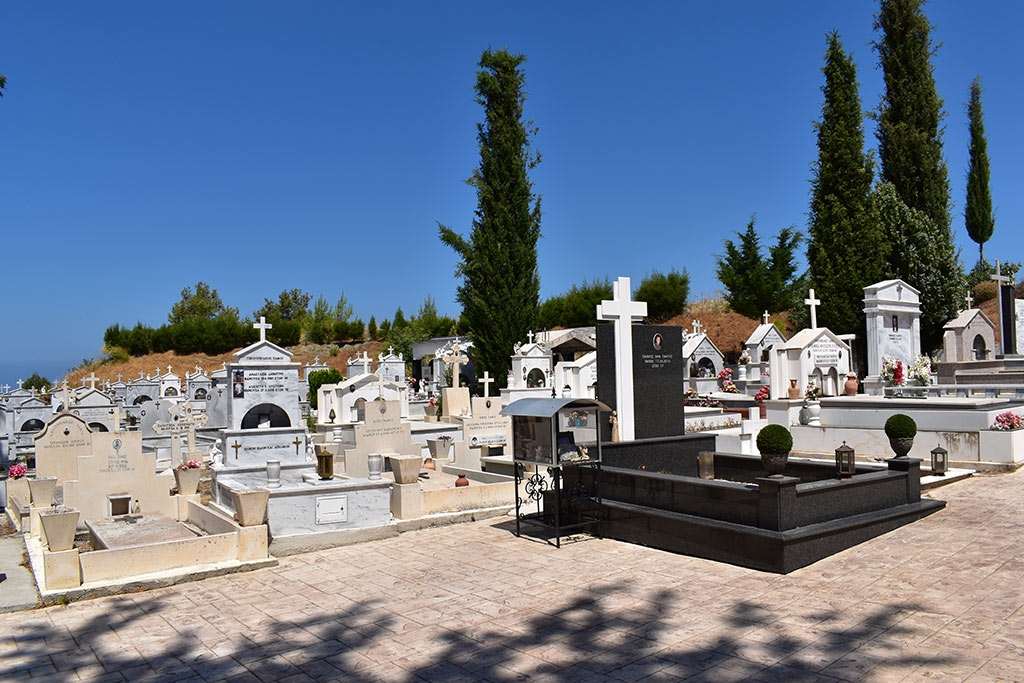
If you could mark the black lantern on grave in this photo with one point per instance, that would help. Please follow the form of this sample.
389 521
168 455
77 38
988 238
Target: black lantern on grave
940 461
845 461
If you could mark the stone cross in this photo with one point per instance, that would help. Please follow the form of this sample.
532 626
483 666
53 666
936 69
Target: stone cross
168 369
316 360
623 312
529 337
91 379
969 299
119 377
21 381
813 303
117 417
366 363
391 350
5 388
764 318
454 357
486 381
66 396
262 326
183 421
1000 280
380 383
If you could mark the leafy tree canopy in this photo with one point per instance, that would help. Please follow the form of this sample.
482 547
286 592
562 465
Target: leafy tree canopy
204 303
291 304
575 308
665 295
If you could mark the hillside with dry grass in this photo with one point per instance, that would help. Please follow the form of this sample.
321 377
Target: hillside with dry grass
185 363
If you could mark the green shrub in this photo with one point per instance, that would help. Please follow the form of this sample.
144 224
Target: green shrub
900 426
774 440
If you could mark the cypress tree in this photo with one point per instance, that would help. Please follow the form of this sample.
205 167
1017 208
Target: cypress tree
910 114
910 151
845 248
500 282
978 216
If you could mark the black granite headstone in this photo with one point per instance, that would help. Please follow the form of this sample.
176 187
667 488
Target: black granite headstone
1008 307
658 374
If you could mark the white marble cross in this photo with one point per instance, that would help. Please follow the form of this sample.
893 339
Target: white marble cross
21 381
117 417
998 275
969 299
380 383
486 381
391 350
764 318
623 312
5 388
366 363
454 357
813 303
529 337
262 326
66 396
91 379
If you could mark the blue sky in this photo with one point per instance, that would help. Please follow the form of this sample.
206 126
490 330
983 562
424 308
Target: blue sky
260 146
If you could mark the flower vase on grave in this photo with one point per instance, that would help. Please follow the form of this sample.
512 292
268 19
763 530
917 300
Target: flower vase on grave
187 479
273 474
742 375
811 413
375 464
794 390
461 481
850 388
59 525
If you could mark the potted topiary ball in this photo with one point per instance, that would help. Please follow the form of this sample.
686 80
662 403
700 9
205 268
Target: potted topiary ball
901 430
774 443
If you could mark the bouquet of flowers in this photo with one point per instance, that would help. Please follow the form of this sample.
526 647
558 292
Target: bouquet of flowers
920 370
17 471
729 387
813 392
892 372
192 464
762 394
744 358
1005 422
690 393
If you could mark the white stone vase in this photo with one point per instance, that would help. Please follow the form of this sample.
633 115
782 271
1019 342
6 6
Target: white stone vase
273 474
375 464
41 490
812 411
742 374
59 525
187 480
250 505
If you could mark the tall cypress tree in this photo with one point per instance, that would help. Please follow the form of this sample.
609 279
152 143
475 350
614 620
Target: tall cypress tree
910 114
910 151
500 282
846 245
978 216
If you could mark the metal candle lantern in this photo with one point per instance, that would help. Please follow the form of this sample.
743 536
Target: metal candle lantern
324 462
845 461
940 461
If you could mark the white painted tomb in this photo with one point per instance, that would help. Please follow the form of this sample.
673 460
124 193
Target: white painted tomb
892 311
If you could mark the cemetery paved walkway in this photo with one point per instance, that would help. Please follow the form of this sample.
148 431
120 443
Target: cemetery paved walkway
937 600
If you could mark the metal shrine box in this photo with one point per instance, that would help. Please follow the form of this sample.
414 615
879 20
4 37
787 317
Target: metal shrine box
556 431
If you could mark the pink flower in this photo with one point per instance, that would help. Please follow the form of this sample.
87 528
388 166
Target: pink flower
18 471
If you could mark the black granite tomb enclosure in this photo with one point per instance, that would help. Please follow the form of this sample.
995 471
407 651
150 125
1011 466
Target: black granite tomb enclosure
775 524
1008 308
658 375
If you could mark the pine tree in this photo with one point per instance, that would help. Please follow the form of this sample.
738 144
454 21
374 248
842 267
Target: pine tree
910 151
755 282
845 247
978 216
500 282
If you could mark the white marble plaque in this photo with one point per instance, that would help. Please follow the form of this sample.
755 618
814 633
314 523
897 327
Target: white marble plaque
331 509
1020 324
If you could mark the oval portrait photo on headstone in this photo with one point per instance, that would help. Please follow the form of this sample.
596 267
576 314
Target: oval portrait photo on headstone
656 342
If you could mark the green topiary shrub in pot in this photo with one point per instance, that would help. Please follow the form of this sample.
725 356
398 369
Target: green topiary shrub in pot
901 430
774 442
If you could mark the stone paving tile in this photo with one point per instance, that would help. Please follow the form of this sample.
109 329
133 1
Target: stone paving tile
941 599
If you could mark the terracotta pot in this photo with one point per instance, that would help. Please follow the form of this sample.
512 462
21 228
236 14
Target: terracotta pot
187 480
774 463
461 481
250 505
59 526
794 390
902 445
850 388
41 490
